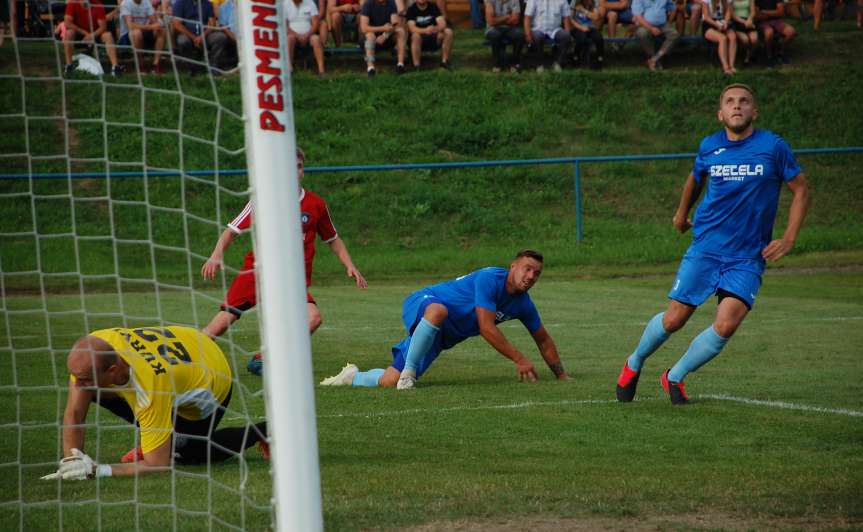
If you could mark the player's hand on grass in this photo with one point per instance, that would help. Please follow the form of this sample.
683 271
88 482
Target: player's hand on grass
526 371
79 466
776 249
358 277
209 269
681 223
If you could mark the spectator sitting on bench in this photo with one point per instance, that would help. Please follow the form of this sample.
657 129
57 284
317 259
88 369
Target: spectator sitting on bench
343 15
769 15
303 26
716 27
194 28
140 28
548 19
743 24
651 16
382 28
428 32
687 10
502 18
617 11
226 14
85 20
585 15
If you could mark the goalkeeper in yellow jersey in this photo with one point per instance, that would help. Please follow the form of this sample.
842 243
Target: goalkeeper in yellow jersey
173 382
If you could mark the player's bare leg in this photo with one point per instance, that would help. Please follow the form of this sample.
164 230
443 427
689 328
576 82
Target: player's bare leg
219 324
315 318
704 347
390 378
729 315
676 316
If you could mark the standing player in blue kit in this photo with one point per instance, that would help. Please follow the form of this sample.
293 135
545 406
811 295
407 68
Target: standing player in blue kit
744 169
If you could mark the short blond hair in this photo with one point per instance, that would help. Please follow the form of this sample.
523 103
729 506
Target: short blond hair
743 86
300 155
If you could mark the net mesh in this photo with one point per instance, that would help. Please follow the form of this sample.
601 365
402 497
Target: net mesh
113 193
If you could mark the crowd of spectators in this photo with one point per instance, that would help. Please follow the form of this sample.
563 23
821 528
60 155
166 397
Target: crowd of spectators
203 33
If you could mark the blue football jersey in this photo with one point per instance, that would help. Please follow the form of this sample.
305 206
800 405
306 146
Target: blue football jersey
485 289
736 216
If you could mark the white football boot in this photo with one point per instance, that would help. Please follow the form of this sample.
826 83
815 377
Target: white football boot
407 380
344 378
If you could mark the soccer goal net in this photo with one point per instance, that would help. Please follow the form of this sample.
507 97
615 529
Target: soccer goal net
119 171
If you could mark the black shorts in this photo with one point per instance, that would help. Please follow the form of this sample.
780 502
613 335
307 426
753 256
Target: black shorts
389 43
430 43
737 26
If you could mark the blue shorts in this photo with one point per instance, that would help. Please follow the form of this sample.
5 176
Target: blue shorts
624 16
702 274
412 312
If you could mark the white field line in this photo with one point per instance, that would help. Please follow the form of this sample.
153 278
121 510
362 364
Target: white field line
782 404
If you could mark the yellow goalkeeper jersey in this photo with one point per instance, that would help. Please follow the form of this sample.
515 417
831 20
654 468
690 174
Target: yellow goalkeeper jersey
170 368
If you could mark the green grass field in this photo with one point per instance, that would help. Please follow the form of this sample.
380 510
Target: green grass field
771 440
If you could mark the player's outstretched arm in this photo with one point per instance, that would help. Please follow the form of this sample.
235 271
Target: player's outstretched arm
341 251
77 404
489 331
691 191
548 350
778 248
209 269
77 465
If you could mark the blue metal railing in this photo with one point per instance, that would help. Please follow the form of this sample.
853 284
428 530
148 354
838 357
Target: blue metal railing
576 162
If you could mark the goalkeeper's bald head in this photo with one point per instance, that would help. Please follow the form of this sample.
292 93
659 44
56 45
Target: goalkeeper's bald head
92 362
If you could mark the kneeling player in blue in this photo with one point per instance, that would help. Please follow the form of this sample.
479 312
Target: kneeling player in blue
732 237
440 316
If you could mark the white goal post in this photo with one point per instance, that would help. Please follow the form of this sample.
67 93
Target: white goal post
271 156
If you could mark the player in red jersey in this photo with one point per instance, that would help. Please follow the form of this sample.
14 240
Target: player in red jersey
241 295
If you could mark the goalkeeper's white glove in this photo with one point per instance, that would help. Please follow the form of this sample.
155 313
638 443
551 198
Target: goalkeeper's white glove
79 466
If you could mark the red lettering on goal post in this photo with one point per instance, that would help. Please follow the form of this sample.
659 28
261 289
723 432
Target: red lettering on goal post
270 122
269 54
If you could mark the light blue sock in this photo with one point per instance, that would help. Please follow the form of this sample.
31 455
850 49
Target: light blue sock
654 336
368 379
421 342
703 348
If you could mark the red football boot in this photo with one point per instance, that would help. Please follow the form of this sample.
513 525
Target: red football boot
626 383
675 390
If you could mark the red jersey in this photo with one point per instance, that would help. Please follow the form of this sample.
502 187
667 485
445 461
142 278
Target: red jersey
315 218
86 14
